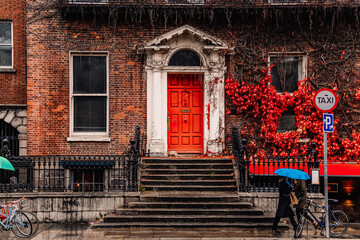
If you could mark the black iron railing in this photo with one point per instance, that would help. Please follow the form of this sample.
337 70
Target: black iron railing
219 3
256 173
75 173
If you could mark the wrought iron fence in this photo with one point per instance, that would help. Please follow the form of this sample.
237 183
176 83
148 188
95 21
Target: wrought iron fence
256 173
71 174
75 173
218 3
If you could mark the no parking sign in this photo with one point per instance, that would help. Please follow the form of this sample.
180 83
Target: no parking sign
325 100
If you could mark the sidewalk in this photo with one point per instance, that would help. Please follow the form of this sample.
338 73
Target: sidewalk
80 231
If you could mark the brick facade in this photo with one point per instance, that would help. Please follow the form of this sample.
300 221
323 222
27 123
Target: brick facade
51 40
13 81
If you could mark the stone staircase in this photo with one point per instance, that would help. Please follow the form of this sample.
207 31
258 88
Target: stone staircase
188 192
188 174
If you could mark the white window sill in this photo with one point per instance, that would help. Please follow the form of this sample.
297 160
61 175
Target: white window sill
7 70
88 139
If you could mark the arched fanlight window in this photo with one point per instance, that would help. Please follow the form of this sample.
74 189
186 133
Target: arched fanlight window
185 58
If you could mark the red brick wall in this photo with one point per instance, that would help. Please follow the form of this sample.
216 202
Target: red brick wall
51 39
48 86
13 85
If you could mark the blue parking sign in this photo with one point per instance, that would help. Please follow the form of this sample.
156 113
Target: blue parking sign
328 122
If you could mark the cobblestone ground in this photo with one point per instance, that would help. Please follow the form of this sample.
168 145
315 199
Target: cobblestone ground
84 232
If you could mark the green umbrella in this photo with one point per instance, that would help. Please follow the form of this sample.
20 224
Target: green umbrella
6 164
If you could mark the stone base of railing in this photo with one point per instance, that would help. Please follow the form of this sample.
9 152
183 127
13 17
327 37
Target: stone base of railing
269 201
72 207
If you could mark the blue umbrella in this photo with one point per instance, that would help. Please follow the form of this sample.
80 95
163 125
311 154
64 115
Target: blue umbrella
292 173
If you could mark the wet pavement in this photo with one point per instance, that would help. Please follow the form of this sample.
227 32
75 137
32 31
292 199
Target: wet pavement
80 231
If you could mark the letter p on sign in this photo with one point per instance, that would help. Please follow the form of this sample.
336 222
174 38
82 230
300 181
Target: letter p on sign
328 122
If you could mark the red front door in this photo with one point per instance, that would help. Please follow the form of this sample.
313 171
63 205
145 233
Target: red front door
185 113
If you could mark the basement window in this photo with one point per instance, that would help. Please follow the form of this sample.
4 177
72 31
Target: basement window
87 180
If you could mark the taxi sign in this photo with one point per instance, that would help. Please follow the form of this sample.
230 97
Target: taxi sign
325 100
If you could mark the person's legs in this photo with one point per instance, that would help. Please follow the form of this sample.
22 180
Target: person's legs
275 224
299 211
293 222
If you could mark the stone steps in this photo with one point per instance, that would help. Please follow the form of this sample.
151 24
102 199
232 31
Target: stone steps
188 192
198 218
190 211
189 188
261 225
191 205
186 182
187 174
187 160
174 172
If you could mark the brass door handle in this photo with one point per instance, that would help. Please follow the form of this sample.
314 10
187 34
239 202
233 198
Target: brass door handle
168 123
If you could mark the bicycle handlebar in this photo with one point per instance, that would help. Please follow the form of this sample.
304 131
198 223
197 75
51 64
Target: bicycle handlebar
312 203
15 202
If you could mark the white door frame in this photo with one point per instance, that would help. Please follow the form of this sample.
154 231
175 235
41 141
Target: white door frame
158 52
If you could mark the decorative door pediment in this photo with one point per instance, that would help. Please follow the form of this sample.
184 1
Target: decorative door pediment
210 49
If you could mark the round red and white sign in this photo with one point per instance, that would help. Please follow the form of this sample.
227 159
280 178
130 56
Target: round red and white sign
325 100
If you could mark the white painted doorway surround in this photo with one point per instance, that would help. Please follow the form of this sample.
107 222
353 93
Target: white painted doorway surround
212 53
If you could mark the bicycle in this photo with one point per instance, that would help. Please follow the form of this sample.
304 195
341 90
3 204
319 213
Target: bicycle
31 215
338 220
15 220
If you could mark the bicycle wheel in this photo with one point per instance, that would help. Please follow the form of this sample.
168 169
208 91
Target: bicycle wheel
300 226
33 219
21 225
338 223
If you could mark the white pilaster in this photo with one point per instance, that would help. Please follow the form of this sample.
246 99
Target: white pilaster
157 140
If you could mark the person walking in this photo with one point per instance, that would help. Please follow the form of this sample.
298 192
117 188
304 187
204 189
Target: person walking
301 194
284 209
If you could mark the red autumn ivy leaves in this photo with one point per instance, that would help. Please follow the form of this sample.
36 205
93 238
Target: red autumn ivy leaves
263 106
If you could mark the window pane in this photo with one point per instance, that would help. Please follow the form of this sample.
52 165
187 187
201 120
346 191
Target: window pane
88 180
5 56
287 121
185 58
90 114
285 74
5 33
89 74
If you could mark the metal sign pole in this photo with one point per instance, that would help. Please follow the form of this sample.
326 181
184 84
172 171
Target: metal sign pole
325 100
326 187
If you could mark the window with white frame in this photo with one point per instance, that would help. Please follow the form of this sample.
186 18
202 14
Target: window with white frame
6 44
286 72
89 94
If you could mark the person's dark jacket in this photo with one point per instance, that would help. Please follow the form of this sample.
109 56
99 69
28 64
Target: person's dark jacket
284 209
300 191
